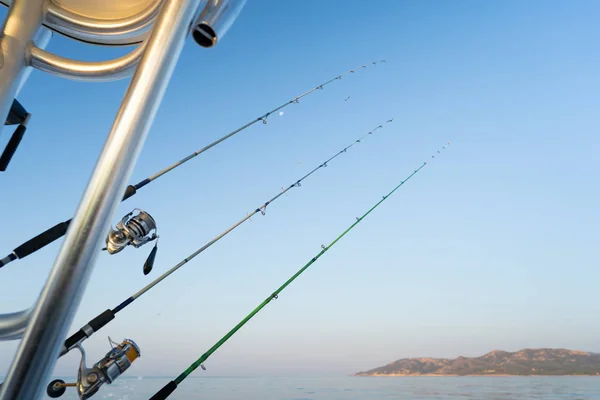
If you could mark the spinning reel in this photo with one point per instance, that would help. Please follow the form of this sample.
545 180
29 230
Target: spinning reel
134 230
109 368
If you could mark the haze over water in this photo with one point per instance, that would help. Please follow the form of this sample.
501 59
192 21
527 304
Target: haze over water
363 388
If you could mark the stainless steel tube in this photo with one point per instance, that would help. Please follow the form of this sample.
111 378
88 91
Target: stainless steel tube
12 326
128 30
22 23
91 71
41 40
125 31
60 297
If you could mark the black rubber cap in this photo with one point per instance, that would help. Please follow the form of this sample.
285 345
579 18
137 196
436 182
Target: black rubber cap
54 393
17 114
130 191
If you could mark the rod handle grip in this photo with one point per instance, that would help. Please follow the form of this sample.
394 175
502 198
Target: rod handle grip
56 232
43 239
165 392
95 324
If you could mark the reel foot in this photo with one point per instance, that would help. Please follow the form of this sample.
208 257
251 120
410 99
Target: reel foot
53 391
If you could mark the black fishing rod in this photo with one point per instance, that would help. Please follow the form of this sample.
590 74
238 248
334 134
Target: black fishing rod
104 318
19 116
57 231
172 385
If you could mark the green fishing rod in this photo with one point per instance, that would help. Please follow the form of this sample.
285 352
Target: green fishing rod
170 387
57 231
105 317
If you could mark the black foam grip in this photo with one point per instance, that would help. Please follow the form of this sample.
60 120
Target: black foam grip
11 147
74 338
96 324
101 320
165 392
41 240
130 191
56 232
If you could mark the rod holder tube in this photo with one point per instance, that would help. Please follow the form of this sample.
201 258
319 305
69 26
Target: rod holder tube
20 27
101 71
125 31
53 313
13 325
41 40
214 21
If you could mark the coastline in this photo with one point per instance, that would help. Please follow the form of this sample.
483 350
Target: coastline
468 375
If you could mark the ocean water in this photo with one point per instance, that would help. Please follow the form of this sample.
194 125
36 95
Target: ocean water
356 388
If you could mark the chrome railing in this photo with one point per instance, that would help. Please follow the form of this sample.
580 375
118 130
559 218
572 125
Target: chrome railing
159 29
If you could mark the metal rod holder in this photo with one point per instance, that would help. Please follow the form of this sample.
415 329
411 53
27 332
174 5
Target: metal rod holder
54 310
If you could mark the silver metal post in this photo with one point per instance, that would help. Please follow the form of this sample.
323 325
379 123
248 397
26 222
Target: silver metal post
13 325
56 306
40 40
22 23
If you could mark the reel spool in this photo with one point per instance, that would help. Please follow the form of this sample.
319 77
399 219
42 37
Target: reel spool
109 368
131 231
134 230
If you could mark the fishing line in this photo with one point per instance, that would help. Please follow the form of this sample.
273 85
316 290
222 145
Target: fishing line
172 385
57 231
104 318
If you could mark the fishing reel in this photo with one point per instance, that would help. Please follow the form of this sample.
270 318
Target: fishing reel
109 368
134 230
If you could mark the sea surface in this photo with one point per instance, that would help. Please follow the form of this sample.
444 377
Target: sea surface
356 388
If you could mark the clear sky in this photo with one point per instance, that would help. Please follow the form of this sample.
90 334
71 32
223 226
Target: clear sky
492 246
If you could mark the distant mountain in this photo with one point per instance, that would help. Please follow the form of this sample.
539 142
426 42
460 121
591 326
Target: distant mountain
497 362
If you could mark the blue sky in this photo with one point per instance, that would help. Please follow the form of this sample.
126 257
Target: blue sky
492 246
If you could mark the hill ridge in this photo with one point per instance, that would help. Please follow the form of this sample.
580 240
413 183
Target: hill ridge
528 361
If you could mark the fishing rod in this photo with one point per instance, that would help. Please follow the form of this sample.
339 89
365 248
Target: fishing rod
57 387
105 317
57 231
170 387
19 116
